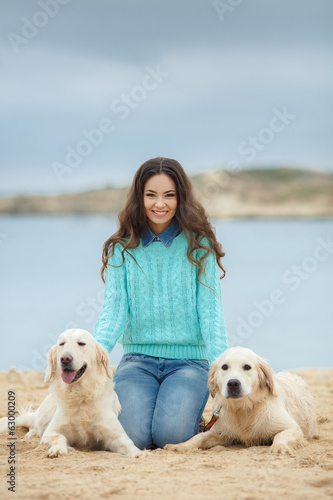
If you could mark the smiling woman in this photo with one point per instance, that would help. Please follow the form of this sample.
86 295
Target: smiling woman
162 301
160 206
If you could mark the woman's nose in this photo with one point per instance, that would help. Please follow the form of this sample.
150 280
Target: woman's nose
159 203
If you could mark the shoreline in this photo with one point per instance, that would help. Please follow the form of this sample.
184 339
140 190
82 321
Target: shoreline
257 193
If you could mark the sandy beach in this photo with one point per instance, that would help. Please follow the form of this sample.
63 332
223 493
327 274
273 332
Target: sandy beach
229 473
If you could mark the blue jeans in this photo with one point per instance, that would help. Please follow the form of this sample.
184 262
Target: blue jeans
162 399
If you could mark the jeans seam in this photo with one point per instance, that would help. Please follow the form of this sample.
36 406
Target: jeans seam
153 420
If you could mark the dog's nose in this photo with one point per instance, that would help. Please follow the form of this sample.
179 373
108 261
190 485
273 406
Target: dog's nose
66 359
233 384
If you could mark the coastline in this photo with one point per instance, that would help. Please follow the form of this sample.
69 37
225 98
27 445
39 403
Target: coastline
260 193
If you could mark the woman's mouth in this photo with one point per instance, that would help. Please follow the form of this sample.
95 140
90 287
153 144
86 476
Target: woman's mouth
160 213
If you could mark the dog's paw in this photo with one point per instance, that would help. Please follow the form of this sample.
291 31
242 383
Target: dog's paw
31 433
136 453
281 449
56 451
143 453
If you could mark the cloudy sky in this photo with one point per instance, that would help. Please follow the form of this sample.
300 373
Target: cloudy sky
91 89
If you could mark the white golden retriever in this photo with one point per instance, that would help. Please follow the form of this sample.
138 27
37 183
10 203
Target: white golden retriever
255 406
82 406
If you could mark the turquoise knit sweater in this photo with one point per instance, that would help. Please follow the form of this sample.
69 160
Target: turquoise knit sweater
161 309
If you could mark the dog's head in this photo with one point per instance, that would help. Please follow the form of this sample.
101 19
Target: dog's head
240 373
75 353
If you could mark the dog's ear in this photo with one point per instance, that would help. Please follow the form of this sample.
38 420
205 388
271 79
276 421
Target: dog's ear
103 359
266 377
212 384
51 364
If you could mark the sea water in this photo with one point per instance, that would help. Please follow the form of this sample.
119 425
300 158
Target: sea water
277 292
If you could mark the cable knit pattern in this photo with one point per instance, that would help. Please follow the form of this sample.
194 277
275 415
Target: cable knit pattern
161 309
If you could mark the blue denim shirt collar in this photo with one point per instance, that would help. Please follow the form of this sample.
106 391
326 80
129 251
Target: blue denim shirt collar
167 236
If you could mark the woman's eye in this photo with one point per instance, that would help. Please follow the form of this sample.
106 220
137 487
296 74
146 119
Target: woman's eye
247 367
151 195
224 367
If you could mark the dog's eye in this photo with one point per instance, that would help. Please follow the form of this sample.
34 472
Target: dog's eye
62 343
81 343
224 367
247 367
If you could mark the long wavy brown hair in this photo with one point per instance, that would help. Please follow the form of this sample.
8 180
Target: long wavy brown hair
190 214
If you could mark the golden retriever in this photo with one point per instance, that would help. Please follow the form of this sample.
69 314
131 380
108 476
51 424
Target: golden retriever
82 406
255 406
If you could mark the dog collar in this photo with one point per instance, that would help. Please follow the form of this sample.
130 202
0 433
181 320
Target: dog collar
215 416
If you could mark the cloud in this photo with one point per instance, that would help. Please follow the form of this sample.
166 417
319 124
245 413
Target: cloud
224 79
59 81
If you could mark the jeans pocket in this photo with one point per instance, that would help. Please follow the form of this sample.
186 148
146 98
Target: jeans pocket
131 357
198 363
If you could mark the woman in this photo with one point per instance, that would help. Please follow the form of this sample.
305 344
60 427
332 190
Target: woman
162 302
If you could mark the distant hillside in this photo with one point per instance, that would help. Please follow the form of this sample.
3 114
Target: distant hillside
279 192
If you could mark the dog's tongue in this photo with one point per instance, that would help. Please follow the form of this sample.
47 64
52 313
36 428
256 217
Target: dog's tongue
68 376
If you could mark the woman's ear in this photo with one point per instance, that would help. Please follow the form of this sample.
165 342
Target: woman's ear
212 384
266 377
103 359
51 364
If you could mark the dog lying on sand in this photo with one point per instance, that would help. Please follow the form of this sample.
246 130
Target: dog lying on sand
255 406
82 406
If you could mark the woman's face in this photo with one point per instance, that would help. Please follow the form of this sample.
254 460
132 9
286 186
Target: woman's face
160 201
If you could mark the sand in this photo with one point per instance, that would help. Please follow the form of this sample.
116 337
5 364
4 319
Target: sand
228 473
